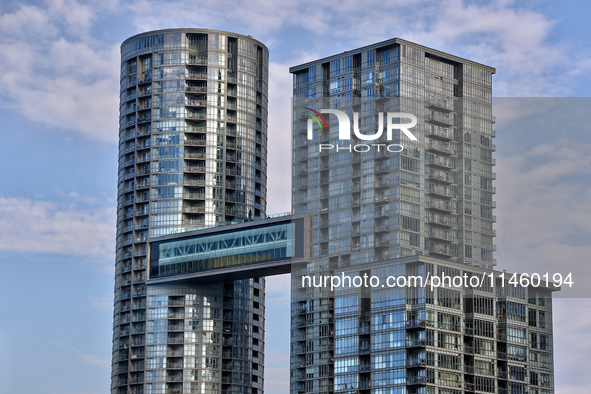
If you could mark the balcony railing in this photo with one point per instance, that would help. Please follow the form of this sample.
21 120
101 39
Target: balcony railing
199 169
440 205
441 104
439 146
441 119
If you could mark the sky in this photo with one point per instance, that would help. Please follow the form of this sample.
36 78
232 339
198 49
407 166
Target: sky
59 73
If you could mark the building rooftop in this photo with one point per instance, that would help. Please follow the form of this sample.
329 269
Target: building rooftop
390 42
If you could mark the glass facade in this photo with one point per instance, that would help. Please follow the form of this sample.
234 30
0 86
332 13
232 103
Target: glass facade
425 209
435 197
192 153
231 248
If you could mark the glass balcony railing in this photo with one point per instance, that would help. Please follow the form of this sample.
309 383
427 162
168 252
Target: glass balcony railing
440 219
446 191
441 119
439 146
441 176
440 161
445 104
441 248
442 205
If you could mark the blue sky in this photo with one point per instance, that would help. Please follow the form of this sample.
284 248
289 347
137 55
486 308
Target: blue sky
59 66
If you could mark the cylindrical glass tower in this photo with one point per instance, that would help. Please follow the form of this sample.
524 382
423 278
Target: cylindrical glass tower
192 152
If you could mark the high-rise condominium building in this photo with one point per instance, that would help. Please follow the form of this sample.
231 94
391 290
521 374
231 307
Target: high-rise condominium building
193 152
380 210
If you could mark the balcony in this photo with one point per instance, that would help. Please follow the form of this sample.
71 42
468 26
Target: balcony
128 136
441 220
143 158
143 171
441 176
197 61
195 155
191 209
194 169
143 198
364 349
415 362
439 147
139 252
194 182
441 234
441 104
446 250
419 323
196 103
196 142
128 124
128 163
196 129
382 183
440 190
415 342
411 380
175 353
146 79
443 162
196 89
198 76
441 205
382 243
129 175
145 145
441 119
382 228
195 115
365 384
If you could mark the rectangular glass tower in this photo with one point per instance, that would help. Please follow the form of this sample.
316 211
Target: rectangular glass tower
380 210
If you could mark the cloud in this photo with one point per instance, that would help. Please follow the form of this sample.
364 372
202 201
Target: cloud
514 39
276 380
58 70
103 303
511 109
91 359
55 73
544 212
29 226
572 325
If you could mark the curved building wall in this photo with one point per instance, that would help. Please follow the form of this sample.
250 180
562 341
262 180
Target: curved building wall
193 152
